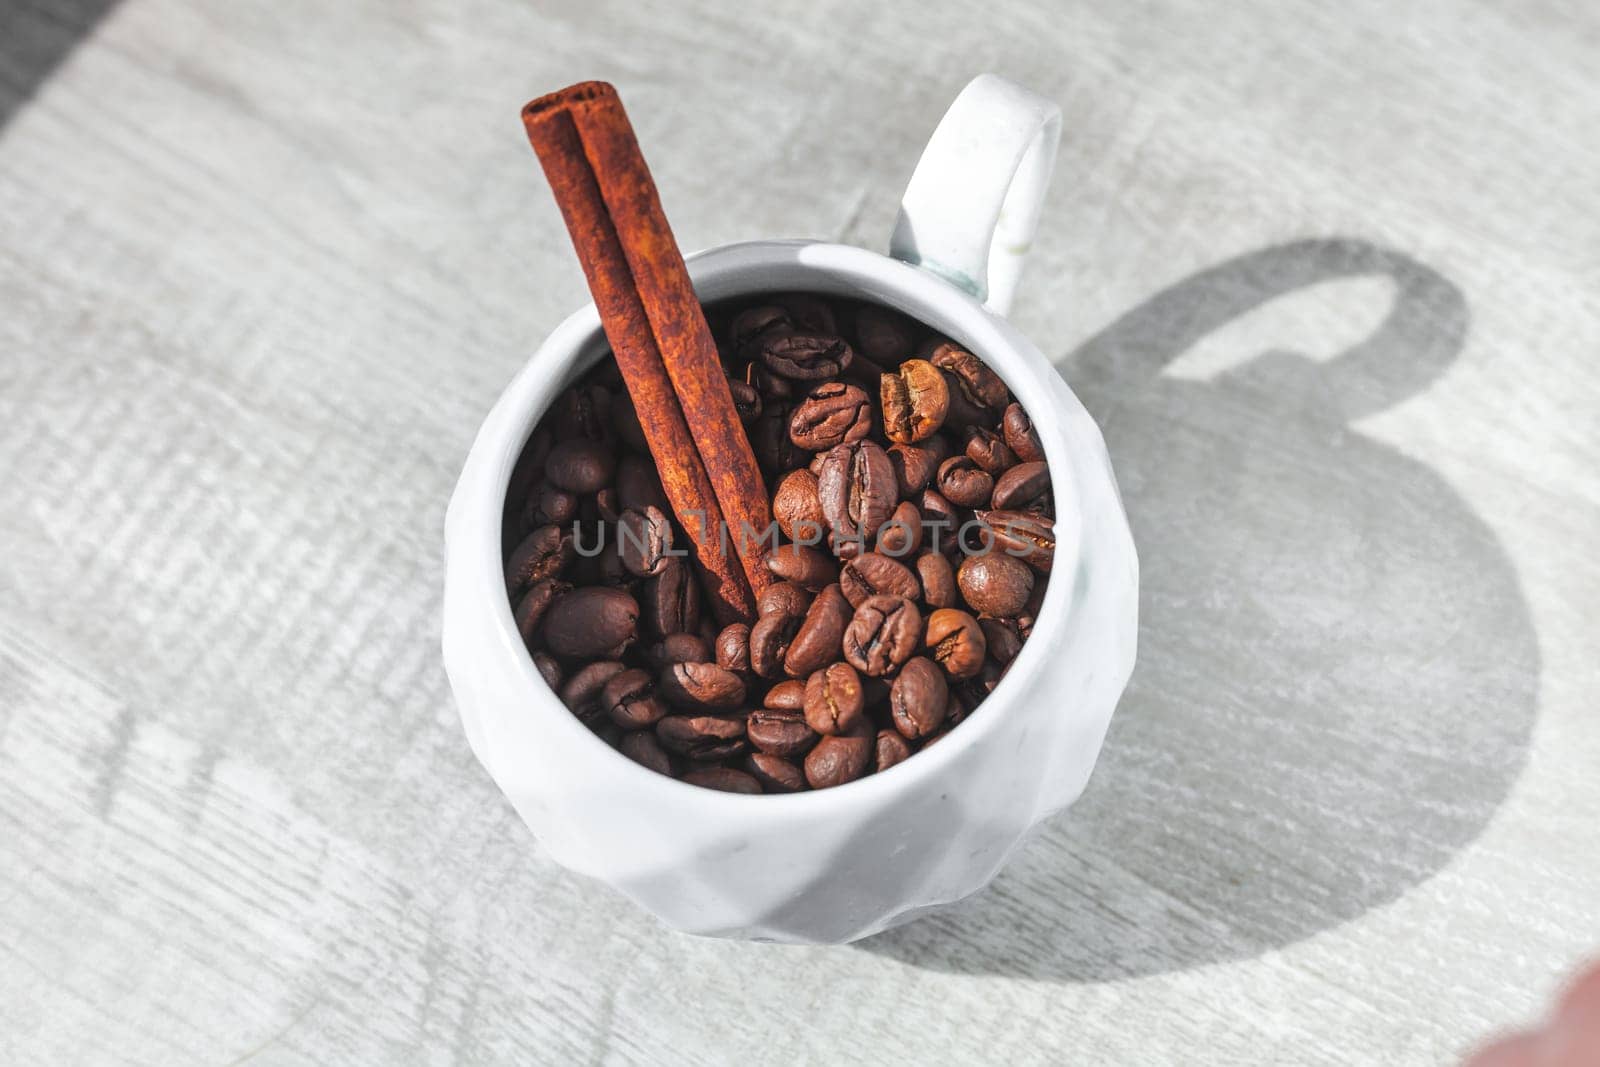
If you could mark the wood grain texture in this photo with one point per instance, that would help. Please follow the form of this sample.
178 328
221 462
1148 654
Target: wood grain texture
1326 275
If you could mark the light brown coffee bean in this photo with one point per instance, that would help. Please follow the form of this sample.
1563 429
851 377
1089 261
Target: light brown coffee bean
956 642
833 700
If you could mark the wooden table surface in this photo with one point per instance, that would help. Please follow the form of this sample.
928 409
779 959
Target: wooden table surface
1328 275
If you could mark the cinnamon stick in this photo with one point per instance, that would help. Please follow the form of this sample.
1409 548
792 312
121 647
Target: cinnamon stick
658 332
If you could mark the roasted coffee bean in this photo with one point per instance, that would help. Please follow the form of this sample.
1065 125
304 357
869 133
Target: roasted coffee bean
787 695
644 749
776 775
797 510
733 647
808 312
780 731
769 643
548 669
638 486
874 691
810 568
882 635
964 483
753 322
769 439
995 584
783 598
543 554
889 748
1030 610
917 698
956 642
883 335
535 603
703 737
833 702
1025 487
971 692
701 685
746 401
1003 637
915 401
582 692
582 411
832 414
875 574
1030 538
977 384
941 523
678 648
772 388
580 465
607 504
914 467
837 760
644 539
800 355
989 451
1020 435
938 580
550 506
594 622
672 598
901 536
821 632
857 489
724 779
630 699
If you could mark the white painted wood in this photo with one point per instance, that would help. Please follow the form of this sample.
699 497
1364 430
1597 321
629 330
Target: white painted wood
263 268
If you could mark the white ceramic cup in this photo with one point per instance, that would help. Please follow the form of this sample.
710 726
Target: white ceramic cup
836 864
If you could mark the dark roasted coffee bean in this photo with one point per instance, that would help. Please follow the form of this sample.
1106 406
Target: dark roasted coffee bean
733 647
638 486
915 401
773 389
531 609
810 568
808 312
832 414
678 648
888 749
550 506
672 599
787 695
645 749
901 536
580 465
783 598
938 580
917 698
884 335
630 699
977 384
964 483
644 539
1020 435
1031 609
875 574
818 639
995 584
882 635
776 774
1003 638
833 702
592 622
1025 487
582 411
914 467
548 669
769 439
755 321
971 692
746 401
780 731
769 643
857 489
797 510
800 355
606 503
956 642
625 421
543 554
989 451
703 737
582 692
724 779
701 685
837 760
941 523
1030 538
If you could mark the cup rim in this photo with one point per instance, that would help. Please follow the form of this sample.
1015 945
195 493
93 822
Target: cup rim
724 272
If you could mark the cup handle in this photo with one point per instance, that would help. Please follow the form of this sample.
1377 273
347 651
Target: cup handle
969 212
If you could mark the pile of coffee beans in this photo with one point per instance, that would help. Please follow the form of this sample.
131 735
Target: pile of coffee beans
914 537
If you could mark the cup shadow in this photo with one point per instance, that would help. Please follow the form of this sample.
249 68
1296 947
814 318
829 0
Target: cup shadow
1337 674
